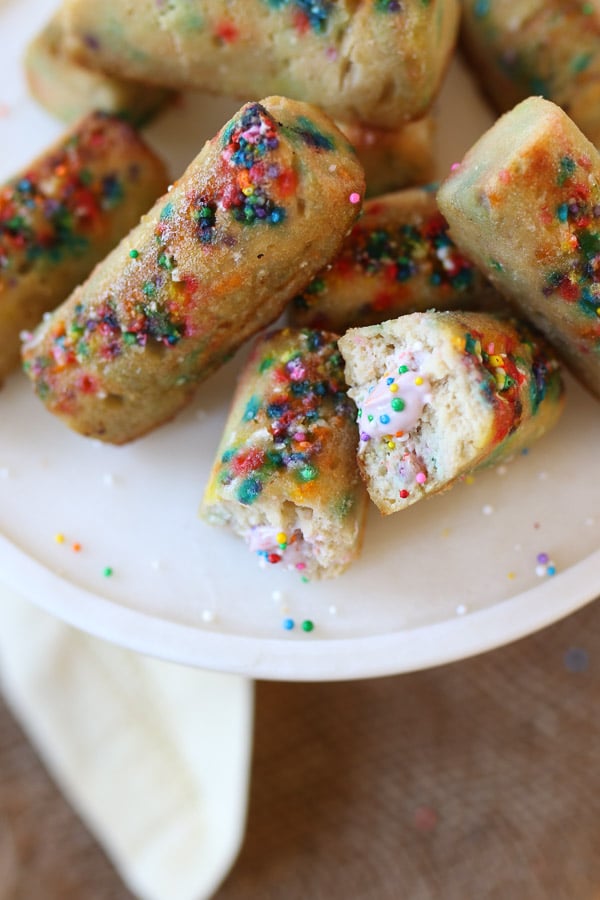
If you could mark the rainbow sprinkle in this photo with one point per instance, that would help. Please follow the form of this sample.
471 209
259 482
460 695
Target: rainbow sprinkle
53 211
306 391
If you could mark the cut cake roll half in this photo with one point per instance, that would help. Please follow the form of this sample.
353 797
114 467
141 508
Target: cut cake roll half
440 394
285 476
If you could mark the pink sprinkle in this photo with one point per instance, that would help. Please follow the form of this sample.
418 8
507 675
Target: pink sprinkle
331 54
425 819
300 566
354 197
454 167
420 478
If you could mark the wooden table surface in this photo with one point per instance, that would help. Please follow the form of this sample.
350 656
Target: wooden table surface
475 781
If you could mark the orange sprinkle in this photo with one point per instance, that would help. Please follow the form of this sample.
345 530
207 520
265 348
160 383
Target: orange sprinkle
76 547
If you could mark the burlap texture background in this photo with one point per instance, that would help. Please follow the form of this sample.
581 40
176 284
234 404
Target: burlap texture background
475 781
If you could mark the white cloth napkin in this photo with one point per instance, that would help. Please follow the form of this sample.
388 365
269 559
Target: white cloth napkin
154 757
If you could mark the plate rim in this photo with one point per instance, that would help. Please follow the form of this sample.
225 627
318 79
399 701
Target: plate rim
311 658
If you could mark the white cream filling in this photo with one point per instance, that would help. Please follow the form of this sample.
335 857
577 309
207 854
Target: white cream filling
393 405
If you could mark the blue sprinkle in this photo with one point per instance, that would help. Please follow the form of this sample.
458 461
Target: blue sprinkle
389 380
576 660
252 409
384 419
288 624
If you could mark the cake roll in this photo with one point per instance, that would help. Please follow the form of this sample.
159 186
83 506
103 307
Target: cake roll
524 204
285 476
397 259
260 210
551 48
440 394
395 159
69 90
378 62
63 213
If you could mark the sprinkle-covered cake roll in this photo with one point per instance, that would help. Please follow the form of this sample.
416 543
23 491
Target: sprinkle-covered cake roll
541 47
63 213
285 476
524 204
378 62
440 394
262 208
396 159
397 259
70 90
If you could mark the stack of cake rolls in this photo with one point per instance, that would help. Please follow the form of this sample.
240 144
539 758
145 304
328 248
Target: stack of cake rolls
319 203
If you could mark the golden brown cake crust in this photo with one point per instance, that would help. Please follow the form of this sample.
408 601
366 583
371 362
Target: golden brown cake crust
375 62
520 48
524 204
262 208
440 394
397 259
285 475
63 213
70 90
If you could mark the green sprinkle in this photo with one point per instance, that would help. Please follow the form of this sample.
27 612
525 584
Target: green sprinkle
266 363
308 473
134 254
581 62
402 370
307 625
398 404
567 168
107 572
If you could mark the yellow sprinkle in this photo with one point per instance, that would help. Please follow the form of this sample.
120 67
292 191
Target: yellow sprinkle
511 575
59 538
247 191
391 445
418 380
281 538
393 388
469 479
496 360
